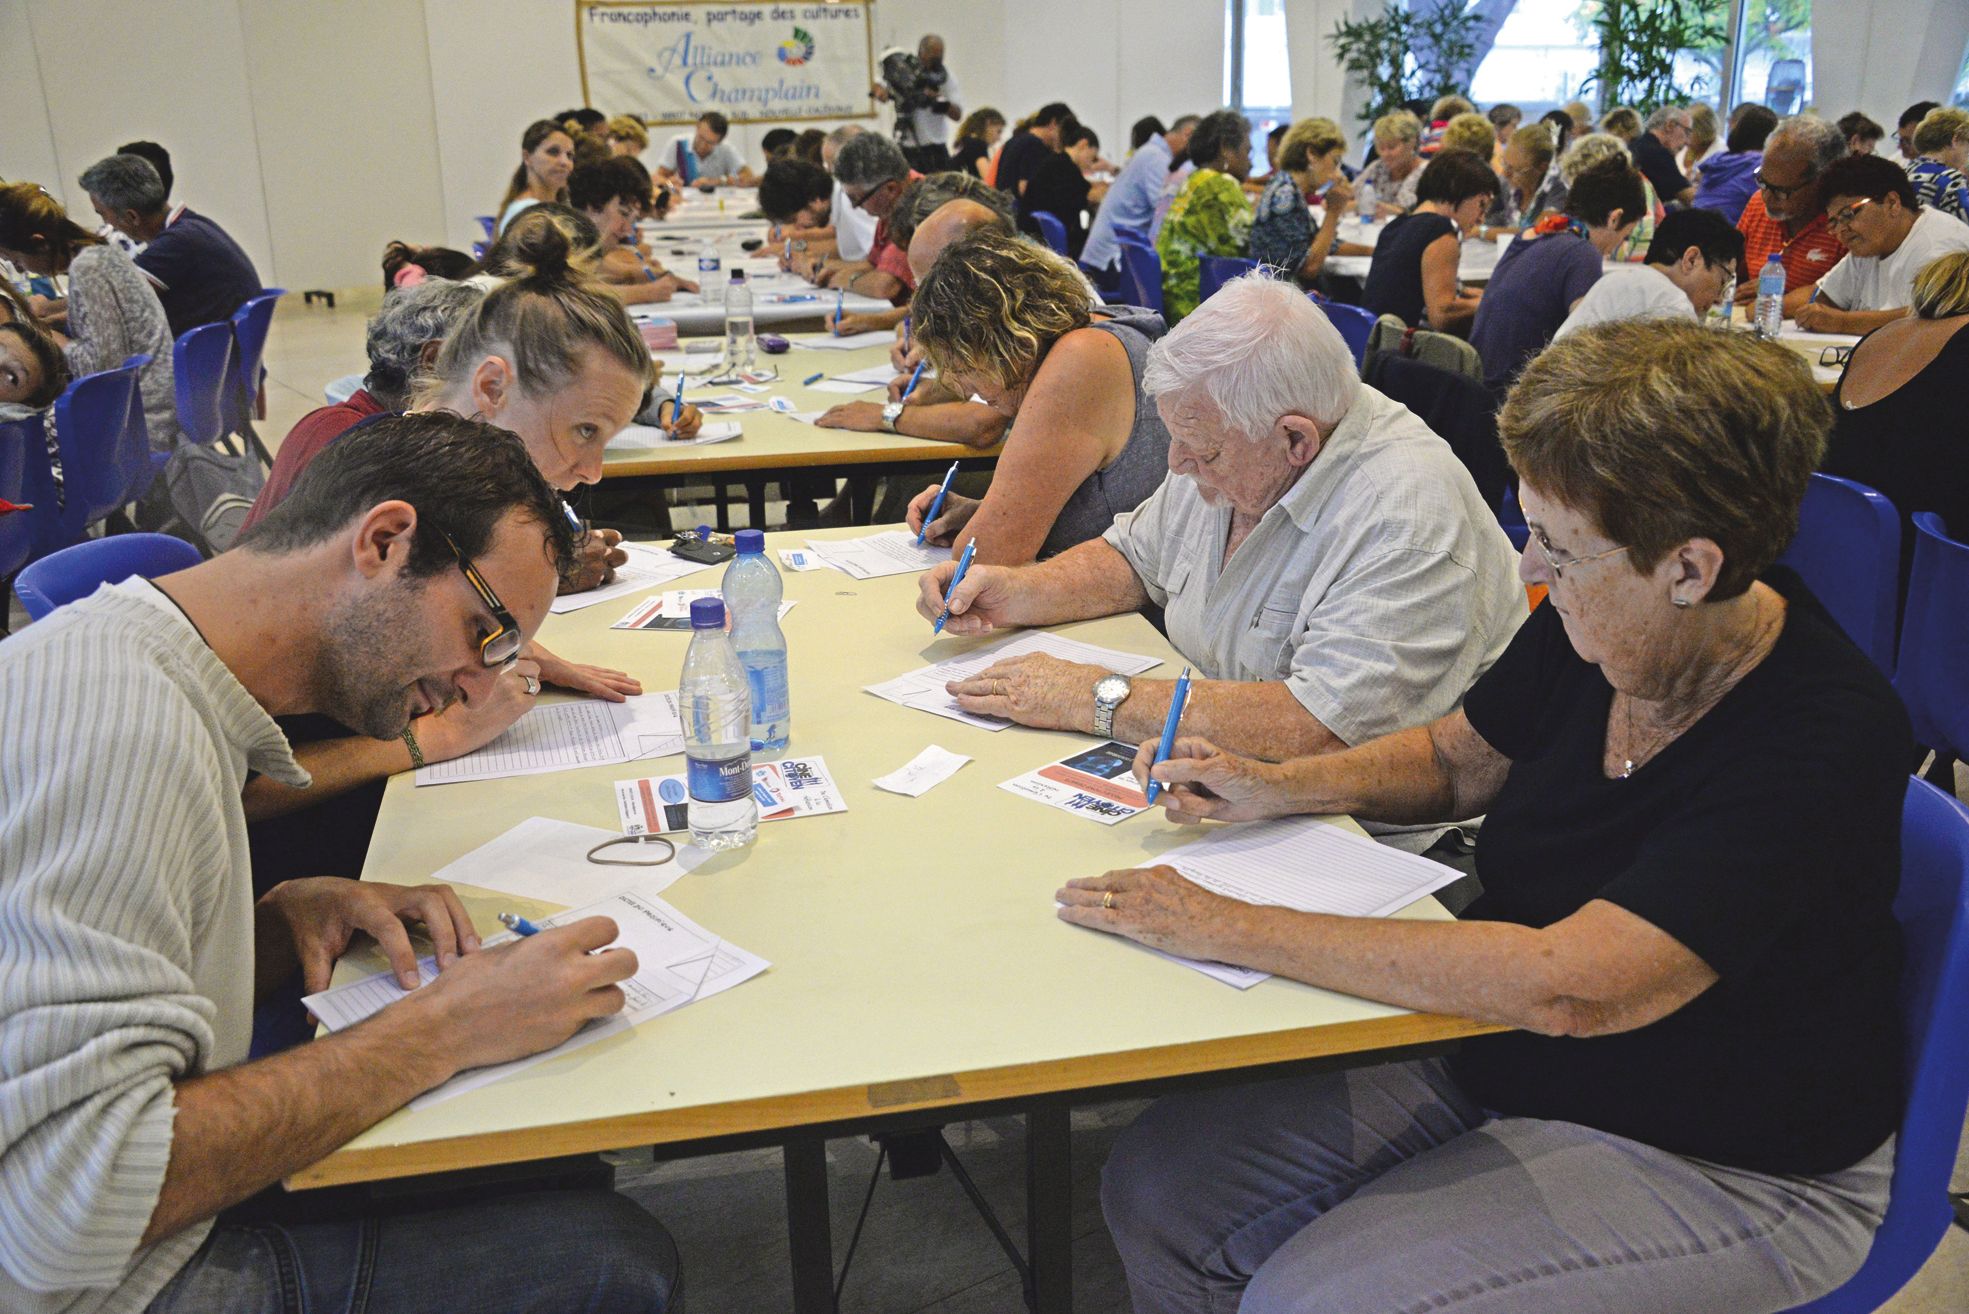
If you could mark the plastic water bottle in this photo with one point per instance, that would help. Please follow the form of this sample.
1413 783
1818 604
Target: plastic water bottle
752 591
709 272
1770 299
717 709
1364 202
741 347
1720 314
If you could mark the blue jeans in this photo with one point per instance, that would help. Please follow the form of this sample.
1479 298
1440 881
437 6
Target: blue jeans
1385 1190
543 1252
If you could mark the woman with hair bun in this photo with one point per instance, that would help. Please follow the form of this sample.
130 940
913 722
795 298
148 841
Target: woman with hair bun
546 159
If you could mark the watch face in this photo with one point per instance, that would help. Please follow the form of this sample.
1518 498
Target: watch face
1111 689
891 410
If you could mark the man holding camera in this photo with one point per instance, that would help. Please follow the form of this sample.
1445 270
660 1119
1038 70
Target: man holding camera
926 110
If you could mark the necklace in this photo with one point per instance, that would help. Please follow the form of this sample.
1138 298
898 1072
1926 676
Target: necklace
1732 672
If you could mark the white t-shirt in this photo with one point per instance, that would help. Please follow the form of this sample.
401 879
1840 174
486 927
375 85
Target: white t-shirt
1638 292
1887 282
932 127
854 227
681 158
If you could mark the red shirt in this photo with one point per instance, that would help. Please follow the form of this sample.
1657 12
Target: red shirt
1807 257
305 441
886 256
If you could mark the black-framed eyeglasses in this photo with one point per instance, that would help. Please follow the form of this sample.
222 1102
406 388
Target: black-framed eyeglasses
1844 219
503 644
1835 356
1780 191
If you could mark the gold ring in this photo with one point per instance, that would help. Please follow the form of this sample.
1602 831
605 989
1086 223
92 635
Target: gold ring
1107 900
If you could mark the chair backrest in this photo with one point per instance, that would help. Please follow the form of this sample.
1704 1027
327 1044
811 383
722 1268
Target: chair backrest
1931 672
1848 549
1355 325
200 360
1512 517
17 527
105 449
76 572
250 325
1051 229
1443 350
1933 910
1457 408
490 224
1141 276
1215 271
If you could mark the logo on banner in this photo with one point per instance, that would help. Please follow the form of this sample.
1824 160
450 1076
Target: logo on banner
797 49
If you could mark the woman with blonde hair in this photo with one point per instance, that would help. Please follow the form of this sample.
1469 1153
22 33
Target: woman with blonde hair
546 159
1470 132
1007 320
1397 166
1595 148
627 135
1705 137
1282 233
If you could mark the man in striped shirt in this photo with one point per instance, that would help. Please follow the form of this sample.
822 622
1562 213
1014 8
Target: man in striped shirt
1786 214
408 566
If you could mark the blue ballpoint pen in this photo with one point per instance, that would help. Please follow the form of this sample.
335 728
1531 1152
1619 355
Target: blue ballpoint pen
840 302
812 379
648 273
905 333
1177 700
677 404
518 925
573 520
937 505
963 564
914 379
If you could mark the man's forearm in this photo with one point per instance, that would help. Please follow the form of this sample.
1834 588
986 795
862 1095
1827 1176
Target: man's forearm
241 1129
1087 580
337 766
1257 718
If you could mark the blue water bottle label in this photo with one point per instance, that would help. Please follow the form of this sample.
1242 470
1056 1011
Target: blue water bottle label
768 689
719 781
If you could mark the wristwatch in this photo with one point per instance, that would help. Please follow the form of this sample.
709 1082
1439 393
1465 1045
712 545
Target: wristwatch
890 414
1110 692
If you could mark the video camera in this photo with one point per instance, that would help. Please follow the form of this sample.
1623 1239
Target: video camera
911 86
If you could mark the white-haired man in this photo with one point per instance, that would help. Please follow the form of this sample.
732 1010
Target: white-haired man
1321 557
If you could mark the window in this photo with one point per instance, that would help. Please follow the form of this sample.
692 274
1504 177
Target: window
1257 74
1774 55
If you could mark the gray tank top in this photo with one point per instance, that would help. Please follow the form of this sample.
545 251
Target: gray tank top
1143 463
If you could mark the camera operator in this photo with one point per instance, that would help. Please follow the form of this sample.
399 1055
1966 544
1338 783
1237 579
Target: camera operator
924 115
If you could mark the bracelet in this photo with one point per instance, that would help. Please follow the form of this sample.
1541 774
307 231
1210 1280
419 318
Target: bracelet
410 742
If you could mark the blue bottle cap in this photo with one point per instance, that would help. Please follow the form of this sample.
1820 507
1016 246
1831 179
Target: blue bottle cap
708 614
750 540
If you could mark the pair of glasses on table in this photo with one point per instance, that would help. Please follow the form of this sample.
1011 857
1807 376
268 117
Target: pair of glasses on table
1835 356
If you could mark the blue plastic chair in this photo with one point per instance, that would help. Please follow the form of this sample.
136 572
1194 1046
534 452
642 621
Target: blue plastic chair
1933 910
105 451
1141 275
1848 550
1051 229
1215 271
490 224
1932 675
200 361
1511 517
250 325
1356 325
17 527
76 572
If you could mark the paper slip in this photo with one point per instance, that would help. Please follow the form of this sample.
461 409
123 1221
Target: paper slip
848 342
800 559
1096 783
649 438
1297 862
562 736
547 860
678 963
752 387
923 773
923 689
891 552
880 374
727 404
791 787
846 385
647 567
672 611
781 404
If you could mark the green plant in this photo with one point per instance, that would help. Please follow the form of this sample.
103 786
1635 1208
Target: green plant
1639 40
1402 56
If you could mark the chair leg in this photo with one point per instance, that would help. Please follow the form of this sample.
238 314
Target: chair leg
1961 1210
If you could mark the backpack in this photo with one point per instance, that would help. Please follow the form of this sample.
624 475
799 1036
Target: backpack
209 490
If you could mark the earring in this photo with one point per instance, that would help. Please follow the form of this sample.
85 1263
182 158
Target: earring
1681 602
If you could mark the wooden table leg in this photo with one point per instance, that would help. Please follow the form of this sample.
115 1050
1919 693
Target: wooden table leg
1049 1205
810 1240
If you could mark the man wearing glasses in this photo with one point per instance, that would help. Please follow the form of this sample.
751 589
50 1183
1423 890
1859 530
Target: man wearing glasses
411 561
873 172
1889 239
1787 213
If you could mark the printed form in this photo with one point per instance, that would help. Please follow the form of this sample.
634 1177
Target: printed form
924 689
891 552
647 567
562 736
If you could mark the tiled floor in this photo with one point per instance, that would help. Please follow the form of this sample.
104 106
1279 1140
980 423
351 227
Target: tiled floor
923 1250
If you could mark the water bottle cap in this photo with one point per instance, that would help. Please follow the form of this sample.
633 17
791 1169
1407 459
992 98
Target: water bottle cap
1774 258
708 614
738 275
750 541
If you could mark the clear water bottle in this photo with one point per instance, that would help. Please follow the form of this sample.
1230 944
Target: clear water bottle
709 272
717 710
741 347
1770 299
1364 201
1721 314
752 591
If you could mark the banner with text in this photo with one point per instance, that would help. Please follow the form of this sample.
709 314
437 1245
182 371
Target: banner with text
670 61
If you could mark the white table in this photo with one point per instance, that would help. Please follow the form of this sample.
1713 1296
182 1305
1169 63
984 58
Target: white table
1473 265
777 298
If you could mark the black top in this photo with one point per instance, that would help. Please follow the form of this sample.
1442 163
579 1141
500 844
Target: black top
1059 188
1394 280
1018 162
1911 444
1766 839
1657 162
968 154
200 273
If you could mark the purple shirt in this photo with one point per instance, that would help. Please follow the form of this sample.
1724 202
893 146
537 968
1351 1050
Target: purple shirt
1530 294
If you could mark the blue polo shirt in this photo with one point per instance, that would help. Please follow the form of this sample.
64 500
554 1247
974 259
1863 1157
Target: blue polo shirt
200 273
1530 294
1130 203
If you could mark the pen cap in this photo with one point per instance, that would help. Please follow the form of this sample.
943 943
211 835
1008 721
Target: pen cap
750 541
708 614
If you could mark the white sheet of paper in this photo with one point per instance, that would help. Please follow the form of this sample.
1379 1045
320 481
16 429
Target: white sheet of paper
923 688
1308 865
891 552
800 559
790 787
1094 782
673 607
845 386
922 773
647 567
545 859
678 963
878 374
562 736
849 342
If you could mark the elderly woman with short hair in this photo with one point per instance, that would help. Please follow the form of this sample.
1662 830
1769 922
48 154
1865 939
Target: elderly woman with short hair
1320 556
1397 165
1693 782
1282 232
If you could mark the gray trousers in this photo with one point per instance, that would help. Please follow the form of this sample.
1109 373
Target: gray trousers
1386 1190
